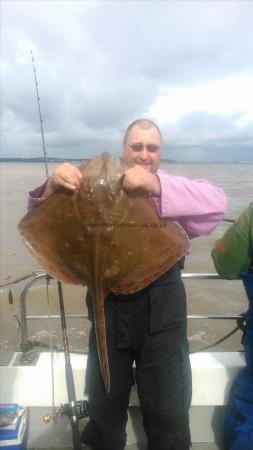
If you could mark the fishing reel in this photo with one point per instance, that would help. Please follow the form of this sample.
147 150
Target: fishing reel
77 409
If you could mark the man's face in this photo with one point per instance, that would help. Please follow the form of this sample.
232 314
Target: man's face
143 147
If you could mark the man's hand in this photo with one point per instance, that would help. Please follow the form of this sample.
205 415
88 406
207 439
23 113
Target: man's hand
138 177
66 175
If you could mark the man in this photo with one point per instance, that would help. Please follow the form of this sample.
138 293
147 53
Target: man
233 253
233 259
148 327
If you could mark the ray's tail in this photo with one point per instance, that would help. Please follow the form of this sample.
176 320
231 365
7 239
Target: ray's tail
99 316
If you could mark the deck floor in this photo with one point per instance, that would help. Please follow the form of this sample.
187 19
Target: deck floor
199 446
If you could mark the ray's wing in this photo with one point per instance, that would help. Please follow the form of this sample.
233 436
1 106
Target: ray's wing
56 238
146 246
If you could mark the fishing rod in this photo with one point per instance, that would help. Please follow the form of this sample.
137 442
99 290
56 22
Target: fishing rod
73 407
75 410
40 115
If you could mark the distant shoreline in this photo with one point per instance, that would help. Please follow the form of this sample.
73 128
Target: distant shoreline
41 160
80 160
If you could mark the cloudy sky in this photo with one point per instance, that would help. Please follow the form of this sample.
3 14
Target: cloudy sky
188 65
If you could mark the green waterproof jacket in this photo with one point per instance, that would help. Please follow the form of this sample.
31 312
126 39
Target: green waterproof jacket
233 253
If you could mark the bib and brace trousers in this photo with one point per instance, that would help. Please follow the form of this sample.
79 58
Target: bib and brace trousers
148 328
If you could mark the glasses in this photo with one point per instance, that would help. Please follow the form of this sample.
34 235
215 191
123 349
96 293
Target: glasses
139 146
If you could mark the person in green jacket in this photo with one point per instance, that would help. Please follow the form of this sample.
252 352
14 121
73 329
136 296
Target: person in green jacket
233 253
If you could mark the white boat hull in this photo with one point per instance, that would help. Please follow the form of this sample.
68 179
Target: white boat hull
31 386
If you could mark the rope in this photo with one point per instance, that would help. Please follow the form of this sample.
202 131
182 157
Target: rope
17 280
217 342
228 220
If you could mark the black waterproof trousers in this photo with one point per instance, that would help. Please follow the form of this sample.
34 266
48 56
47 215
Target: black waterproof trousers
148 327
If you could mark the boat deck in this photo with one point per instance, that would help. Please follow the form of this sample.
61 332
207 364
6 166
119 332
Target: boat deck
199 446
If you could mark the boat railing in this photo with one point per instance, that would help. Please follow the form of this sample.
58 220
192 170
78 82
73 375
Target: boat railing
40 275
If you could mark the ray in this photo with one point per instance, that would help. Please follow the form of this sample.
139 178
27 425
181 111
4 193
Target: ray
103 237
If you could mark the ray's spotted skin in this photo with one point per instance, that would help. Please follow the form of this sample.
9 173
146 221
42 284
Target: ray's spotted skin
96 236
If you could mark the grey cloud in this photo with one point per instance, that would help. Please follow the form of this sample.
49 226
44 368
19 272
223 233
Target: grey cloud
209 137
102 64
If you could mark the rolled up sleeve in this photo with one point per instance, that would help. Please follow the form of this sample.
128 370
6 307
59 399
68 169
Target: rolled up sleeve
197 205
35 196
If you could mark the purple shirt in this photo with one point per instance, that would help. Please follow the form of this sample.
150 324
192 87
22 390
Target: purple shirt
196 205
